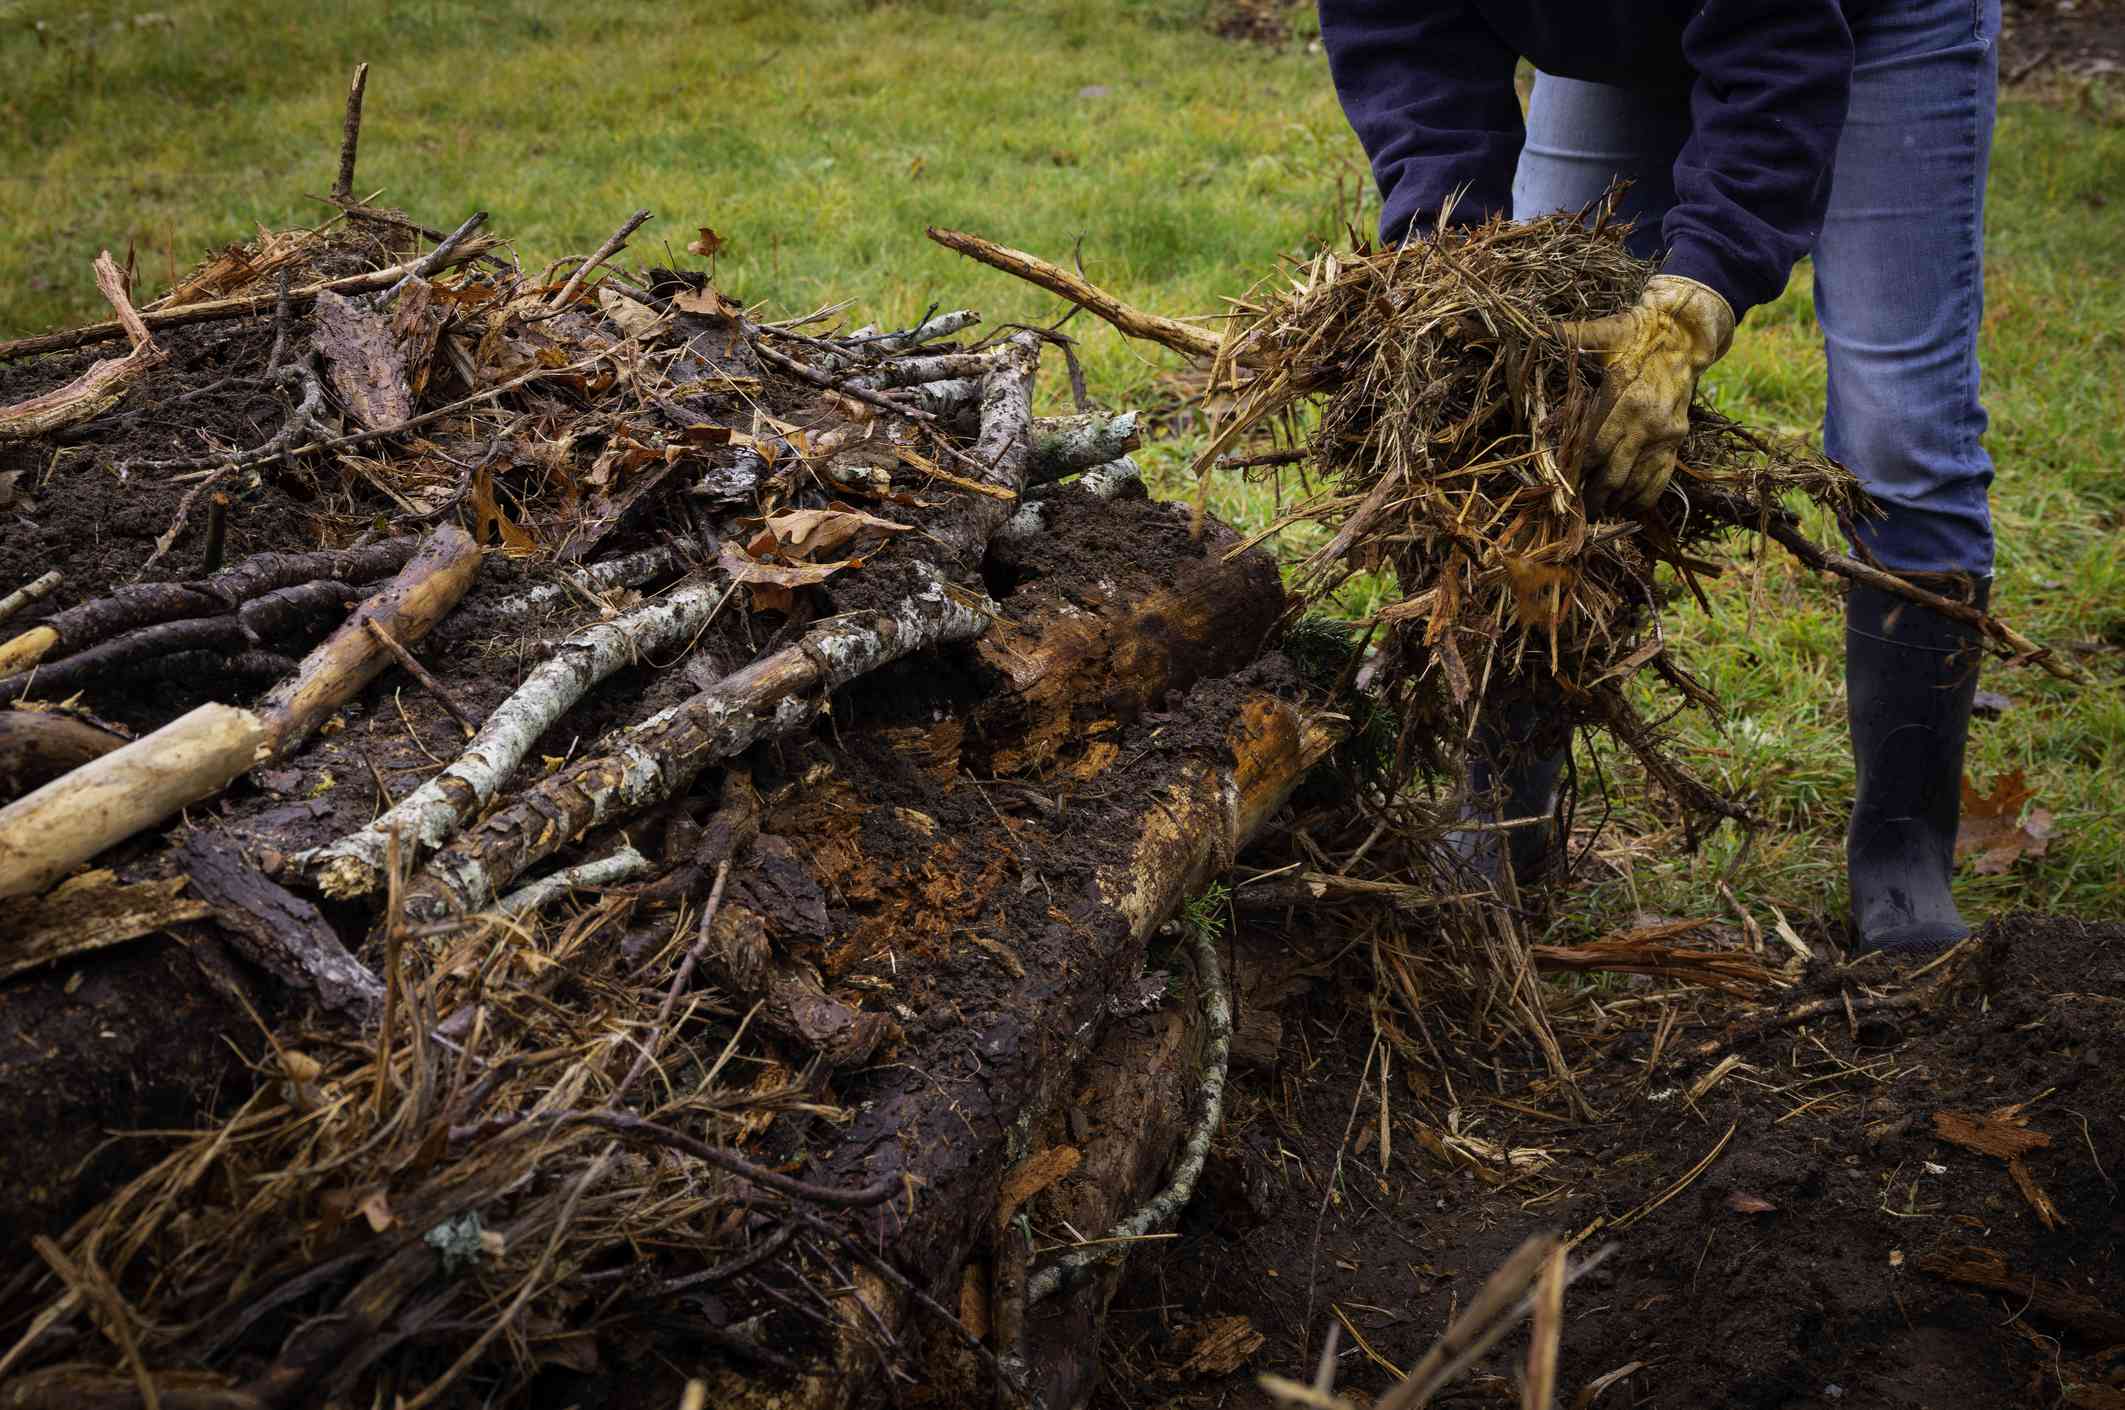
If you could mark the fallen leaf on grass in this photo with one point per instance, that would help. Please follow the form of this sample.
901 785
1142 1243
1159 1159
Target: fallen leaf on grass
1994 829
706 244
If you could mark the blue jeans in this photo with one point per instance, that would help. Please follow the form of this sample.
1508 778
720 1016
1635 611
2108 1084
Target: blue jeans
1899 263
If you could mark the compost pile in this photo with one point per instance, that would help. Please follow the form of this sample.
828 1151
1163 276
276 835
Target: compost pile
610 842
680 613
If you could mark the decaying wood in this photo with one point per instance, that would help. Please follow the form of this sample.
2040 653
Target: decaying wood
99 388
408 608
150 604
623 865
1065 445
774 696
72 818
948 1130
1985 1268
1077 661
89 912
37 746
35 590
1135 322
280 932
48 833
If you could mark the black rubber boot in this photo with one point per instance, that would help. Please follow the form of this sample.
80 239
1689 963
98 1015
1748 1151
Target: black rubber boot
1910 677
1514 774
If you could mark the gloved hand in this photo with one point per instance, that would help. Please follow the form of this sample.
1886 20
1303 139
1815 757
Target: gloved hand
1654 352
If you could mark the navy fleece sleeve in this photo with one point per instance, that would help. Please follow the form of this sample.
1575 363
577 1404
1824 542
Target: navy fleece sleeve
1773 80
1429 89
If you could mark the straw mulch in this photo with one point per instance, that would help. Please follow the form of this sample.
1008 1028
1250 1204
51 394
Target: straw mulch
1449 424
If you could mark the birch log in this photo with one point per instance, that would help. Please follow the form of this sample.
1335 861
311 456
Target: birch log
429 816
660 757
776 695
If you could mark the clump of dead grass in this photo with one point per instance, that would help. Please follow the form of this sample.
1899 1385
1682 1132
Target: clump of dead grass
1449 429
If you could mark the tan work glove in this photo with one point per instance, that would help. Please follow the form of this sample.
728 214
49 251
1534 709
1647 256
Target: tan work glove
1653 352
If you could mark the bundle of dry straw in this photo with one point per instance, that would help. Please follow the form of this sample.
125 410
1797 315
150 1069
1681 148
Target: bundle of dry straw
1450 424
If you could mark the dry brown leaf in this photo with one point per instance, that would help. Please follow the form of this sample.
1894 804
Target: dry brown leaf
1217 1347
708 302
808 533
745 568
376 1208
1742 1202
1995 829
487 513
707 244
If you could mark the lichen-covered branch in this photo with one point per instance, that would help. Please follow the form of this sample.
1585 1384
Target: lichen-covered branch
661 756
429 816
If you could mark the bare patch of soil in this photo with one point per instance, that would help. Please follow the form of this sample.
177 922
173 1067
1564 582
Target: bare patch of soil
1835 1251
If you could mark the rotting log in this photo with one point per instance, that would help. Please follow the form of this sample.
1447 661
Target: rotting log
1103 635
428 817
954 1133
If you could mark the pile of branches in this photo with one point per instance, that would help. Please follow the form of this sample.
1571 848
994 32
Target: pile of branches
510 1128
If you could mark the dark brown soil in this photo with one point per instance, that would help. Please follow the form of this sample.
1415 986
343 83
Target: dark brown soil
1827 1295
2042 39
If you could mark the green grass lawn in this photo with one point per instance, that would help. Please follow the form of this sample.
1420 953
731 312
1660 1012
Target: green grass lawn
819 138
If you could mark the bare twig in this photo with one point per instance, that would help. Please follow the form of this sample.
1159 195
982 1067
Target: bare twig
218 310
1135 322
604 252
350 136
421 673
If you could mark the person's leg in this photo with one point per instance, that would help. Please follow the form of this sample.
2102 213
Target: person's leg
1582 136
1899 289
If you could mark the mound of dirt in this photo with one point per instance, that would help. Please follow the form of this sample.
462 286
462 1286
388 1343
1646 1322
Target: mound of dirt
1815 1230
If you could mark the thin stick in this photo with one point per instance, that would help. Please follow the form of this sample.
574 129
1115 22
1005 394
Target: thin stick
702 934
262 455
1134 322
2005 639
627 1124
350 136
217 533
420 673
1217 1018
845 386
1005 1381
29 592
429 263
217 310
605 252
